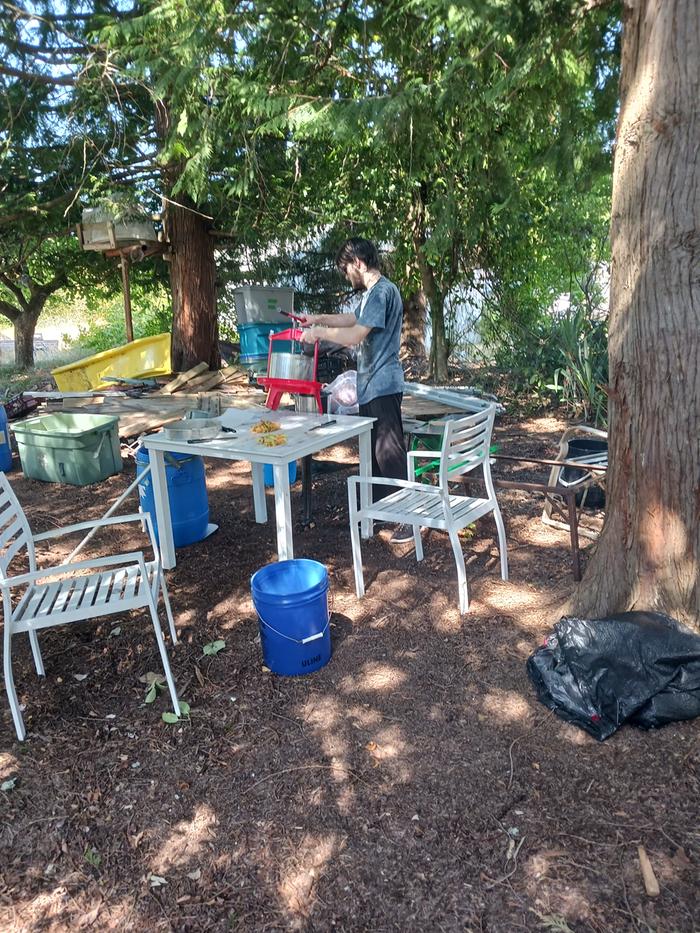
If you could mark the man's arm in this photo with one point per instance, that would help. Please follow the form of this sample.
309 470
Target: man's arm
346 319
346 336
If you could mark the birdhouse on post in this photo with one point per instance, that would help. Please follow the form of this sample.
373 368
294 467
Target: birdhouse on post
129 235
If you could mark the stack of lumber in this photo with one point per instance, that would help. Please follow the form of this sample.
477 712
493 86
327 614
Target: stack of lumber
141 410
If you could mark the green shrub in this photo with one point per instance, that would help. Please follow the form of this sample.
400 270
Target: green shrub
581 379
152 314
558 357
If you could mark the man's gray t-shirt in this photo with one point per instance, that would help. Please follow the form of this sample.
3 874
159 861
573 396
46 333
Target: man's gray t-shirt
379 371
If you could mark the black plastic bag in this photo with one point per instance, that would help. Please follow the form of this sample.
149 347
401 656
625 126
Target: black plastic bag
638 667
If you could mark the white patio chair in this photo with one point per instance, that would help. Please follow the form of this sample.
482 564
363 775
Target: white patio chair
72 591
465 446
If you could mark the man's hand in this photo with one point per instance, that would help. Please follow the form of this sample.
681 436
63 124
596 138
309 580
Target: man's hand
311 334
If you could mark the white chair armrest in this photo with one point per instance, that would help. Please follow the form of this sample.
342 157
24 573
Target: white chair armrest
97 523
399 483
433 454
132 557
428 454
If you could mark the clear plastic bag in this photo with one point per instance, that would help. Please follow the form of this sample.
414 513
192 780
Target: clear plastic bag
342 394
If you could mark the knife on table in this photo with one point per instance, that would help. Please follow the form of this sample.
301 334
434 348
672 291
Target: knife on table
323 424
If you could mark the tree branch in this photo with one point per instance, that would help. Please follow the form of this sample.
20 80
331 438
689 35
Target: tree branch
64 80
15 289
10 312
37 50
37 208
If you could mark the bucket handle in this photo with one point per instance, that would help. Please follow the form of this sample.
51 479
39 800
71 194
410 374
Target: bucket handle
297 641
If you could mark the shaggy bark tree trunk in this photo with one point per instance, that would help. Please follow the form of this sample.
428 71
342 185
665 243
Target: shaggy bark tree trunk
195 336
195 333
649 551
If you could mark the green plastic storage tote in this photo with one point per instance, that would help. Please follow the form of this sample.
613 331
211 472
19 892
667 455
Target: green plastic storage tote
74 449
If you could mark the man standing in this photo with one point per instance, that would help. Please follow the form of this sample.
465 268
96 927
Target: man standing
376 329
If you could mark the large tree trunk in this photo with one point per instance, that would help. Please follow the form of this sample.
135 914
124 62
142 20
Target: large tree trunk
195 334
649 551
25 326
415 315
25 314
192 280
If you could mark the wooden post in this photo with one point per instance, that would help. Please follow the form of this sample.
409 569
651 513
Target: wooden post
124 264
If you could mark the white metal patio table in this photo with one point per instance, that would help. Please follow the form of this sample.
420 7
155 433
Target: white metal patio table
305 433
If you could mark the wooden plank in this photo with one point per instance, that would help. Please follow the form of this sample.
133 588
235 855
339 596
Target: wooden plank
61 395
182 379
234 374
166 405
205 381
135 425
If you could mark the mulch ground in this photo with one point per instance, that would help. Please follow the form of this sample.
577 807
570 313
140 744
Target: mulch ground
414 783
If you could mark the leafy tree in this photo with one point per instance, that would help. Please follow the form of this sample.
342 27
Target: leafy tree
32 269
416 123
448 130
62 143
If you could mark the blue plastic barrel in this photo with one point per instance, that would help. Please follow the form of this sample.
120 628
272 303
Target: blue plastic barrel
269 476
187 492
291 600
255 339
5 448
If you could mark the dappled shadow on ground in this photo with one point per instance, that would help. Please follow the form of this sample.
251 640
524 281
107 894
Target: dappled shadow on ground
414 783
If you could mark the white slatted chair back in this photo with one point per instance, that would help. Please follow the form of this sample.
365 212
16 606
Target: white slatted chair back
465 445
15 533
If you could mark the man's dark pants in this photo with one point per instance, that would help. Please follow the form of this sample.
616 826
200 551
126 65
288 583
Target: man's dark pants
388 446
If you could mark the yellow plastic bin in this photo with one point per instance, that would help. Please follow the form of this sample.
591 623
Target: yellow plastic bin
149 356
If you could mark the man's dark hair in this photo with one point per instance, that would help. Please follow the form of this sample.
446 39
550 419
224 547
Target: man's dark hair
357 248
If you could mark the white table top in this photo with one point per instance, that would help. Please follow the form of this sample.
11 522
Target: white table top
245 445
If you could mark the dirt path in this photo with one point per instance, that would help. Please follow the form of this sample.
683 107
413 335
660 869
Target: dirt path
414 783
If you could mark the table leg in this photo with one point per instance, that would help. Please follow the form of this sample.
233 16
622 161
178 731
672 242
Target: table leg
162 505
365 444
306 480
283 512
259 502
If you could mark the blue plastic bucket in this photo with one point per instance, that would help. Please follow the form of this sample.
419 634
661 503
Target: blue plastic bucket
269 476
187 492
5 448
291 600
